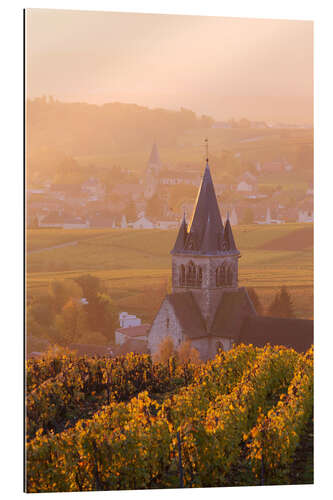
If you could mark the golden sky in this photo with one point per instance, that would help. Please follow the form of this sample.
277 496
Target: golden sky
223 67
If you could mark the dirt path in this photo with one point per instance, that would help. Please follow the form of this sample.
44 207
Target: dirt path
68 244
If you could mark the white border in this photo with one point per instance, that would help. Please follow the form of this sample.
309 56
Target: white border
12 230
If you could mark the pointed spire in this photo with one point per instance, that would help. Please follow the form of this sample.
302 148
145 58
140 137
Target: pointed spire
181 238
205 235
230 244
206 206
210 244
154 156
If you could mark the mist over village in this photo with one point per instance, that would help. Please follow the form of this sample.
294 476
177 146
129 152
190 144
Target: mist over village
169 252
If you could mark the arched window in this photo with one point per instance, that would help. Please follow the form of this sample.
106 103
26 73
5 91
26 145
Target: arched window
220 275
191 274
199 277
230 275
182 275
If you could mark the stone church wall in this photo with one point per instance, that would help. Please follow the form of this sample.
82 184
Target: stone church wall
165 324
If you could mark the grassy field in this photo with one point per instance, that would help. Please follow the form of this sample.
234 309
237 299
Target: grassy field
136 264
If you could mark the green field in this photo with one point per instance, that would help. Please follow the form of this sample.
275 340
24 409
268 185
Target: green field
135 265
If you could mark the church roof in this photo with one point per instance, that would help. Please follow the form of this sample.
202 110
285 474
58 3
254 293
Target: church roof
188 314
229 241
182 233
295 333
236 319
235 305
206 207
154 155
205 234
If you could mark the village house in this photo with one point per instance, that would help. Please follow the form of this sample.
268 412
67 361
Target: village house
64 222
207 306
167 223
142 223
171 177
130 191
139 332
126 320
305 216
94 189
247 183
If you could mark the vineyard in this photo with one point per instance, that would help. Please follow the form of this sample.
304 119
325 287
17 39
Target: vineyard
243 418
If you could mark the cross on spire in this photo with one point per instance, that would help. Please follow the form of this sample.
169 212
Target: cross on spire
206 144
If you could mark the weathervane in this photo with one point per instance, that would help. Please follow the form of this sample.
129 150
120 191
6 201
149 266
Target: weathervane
206 141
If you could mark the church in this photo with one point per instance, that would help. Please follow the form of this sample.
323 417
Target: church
206 306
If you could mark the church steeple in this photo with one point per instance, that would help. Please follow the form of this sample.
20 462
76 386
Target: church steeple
205 256
205 234
154 158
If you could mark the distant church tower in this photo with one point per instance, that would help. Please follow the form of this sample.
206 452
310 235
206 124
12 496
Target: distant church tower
205 257
152 173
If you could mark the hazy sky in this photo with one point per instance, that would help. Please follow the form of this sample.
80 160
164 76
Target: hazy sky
224 67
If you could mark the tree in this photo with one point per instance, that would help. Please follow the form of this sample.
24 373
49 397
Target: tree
255 301
71 324
186 352
90 285
60 291
282 305
102 315
166 350
41 311
93 338
33 328
154 207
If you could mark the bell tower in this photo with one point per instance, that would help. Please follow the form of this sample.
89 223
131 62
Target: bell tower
152 173
205 256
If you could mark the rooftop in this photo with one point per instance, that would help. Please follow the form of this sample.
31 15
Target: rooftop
295 333
135 331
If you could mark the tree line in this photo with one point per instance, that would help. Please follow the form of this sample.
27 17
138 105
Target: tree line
76 310
121 127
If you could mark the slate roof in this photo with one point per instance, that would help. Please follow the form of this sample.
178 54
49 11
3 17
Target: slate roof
205 234
295 333
234 307
188 314
229 241
181 237
236 319
206 207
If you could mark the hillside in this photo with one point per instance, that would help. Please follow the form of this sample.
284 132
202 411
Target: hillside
243 418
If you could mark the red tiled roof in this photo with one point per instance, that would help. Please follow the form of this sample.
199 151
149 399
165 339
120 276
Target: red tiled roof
135 331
